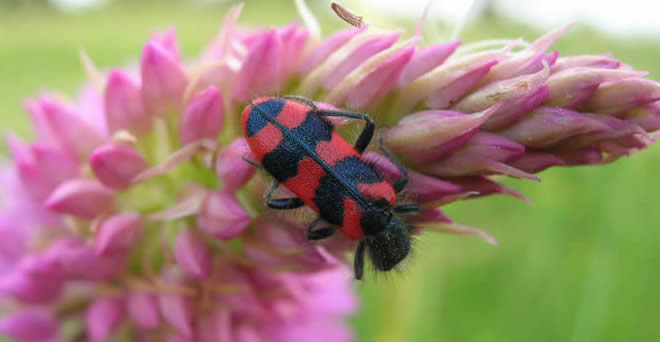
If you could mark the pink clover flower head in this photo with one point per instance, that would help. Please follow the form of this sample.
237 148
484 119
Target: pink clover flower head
134 213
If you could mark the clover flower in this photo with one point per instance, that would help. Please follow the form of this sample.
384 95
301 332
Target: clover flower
133 216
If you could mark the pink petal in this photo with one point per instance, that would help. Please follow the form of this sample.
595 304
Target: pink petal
327 47
215 327
230 167
448 95
513 110
262 68
80 261
163 80
617 97
176 309
118 234
83 198
222 215
548 126
69 130
594 61
29 288
459 229
645 116
431 215
357 57
485 153
573 87
192 254
123 104
423 188
31 325
143 310
373 86
426 60
203 117
424 136
116 165
534 162
168 41
103 317
293 44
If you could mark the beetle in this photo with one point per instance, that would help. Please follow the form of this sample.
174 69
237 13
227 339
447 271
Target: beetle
296 144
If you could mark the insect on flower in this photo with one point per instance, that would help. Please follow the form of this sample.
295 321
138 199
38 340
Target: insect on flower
298 146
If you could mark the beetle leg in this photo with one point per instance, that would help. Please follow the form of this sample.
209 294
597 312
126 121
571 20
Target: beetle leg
403 181
358 262
255 164
318 234
282 203
406 209
367 133
302 100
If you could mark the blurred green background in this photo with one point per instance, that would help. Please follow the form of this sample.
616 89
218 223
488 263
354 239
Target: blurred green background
578 265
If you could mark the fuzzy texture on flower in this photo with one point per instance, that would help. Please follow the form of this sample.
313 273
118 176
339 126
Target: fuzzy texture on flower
140 220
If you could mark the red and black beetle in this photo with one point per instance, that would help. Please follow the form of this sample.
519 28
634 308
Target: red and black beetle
300 148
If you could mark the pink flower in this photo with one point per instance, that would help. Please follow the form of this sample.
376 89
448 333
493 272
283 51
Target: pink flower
136 202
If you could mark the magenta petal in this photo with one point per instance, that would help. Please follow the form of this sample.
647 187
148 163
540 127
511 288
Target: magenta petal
231 169
176 309
483 186
357 57
372 87
42 168
261 69
279 234
143 310
529 60
40 125
617 97
573 87
485 153
548 126
103 317
203 117
513 110
83 198
615 130
645 116
503 92
215 327
582 156
425 60
168 41
222 215
116 165
427 135
31 325
29 288
67 127
118 234
423 188
80 261
293 46
534 162
55 165
327 47
163 80
192 254
450 94
593 61
123 104
431 215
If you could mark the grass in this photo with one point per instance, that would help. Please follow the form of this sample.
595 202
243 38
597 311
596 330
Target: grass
578 265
